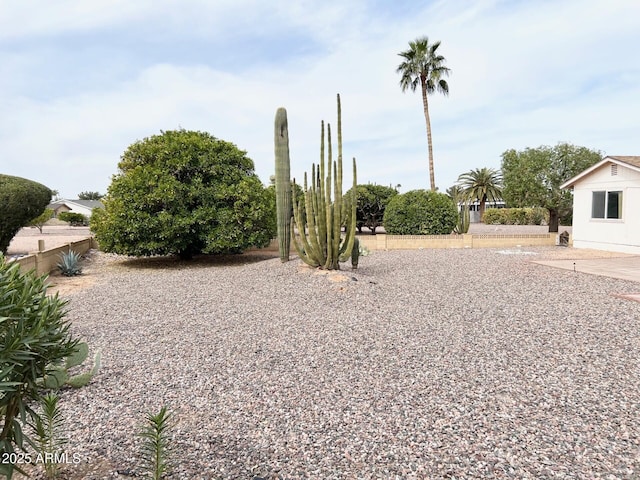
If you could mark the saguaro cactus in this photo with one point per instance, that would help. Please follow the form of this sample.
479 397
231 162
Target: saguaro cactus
283 182
319 218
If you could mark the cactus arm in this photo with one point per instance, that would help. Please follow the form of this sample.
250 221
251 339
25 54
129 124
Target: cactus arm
350 229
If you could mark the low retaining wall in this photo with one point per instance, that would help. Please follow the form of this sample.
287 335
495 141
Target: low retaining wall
412 242
45 261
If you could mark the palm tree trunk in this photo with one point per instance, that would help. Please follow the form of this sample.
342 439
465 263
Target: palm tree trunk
425 102
483 204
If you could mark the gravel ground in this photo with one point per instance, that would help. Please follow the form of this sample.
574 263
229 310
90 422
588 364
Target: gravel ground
421 364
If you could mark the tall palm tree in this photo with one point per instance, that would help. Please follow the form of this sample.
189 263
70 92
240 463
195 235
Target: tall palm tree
482 184
422 65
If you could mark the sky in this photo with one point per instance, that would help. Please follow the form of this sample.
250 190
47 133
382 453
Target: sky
81 80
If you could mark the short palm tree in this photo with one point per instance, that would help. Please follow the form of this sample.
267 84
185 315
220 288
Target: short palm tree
422 65
482 184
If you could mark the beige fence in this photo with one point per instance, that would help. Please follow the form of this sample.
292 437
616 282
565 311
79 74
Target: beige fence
45 261
412 242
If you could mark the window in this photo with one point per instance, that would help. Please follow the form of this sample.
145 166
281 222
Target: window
606 205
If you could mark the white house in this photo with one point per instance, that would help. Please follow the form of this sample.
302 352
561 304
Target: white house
84 207
606 205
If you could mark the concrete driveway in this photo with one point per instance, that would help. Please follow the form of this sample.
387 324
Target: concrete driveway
625 267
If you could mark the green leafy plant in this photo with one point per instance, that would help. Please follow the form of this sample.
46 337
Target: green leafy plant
21 201
321 217
184 193
372 200
41 219
420 212
34 336
74 219
50 439
516 216
58 376
70 264
156 451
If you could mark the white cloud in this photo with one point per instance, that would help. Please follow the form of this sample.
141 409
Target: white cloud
524 74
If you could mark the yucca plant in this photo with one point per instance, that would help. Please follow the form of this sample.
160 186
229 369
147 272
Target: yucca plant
156 451
70 264
50 439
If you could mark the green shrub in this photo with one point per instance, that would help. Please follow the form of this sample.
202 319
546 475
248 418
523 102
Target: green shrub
21 201
184 193
494 216
516 216
420 212
74 219
34 337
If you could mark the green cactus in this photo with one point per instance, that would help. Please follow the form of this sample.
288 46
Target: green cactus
355 253
463 220
319 218
59 376
283 183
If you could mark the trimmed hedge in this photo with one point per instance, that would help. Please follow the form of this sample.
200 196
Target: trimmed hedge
21 201
75 219
420 212
516 216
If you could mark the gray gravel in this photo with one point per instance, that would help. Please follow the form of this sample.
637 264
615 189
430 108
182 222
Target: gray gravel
422 364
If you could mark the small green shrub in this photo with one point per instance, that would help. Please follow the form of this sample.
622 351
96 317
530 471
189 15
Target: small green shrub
420 212
74 219
156 451
70 264
516 216
41 219
50 438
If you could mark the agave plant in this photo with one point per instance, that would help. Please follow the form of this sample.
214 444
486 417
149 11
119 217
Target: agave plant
70 264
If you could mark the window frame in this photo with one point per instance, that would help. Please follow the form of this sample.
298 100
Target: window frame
602 207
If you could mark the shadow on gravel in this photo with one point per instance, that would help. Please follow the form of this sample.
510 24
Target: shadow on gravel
199 261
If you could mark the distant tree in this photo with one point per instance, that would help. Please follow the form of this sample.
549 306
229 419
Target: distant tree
21 201
423 65
55 195
371 203
184 193
420 212
481 185
532 177
41 219
90 196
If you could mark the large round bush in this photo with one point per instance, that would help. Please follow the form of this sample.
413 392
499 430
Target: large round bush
420 212
184 193
21 201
